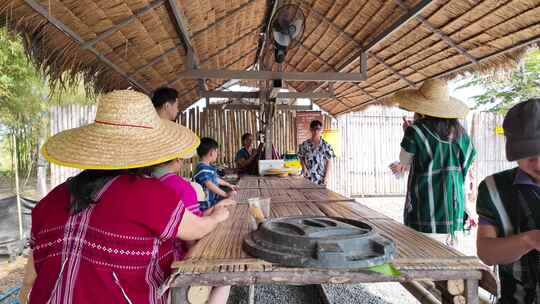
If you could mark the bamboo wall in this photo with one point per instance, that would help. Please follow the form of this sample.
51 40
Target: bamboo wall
370 141
490 146
225 126
63 118
228 126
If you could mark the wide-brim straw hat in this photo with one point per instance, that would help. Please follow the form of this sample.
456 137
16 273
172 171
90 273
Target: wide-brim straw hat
432 99
127 133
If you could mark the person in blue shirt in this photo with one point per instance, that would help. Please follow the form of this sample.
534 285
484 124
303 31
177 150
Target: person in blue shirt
205 174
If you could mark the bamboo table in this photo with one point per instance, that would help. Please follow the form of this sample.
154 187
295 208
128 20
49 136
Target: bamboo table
218 259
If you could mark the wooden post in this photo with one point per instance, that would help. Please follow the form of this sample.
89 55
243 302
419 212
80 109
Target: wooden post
41 182
420 293
251 299
17 190
471 291
178 295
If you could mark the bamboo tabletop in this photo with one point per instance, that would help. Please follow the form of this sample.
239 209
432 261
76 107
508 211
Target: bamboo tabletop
274 182
219 259
285 190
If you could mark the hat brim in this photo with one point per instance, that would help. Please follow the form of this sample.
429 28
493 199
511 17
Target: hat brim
414 101
520 149
102 147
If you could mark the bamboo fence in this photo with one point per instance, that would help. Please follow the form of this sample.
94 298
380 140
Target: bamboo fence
225 126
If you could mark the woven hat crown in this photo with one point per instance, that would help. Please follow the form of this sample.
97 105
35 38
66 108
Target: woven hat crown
127 108
435 89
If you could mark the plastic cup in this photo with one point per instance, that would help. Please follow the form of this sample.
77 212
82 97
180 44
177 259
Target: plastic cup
259 209
264 203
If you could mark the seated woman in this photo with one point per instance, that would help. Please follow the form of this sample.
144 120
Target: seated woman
107 235
247 157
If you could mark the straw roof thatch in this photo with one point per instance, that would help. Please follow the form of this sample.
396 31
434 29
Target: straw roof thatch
148 52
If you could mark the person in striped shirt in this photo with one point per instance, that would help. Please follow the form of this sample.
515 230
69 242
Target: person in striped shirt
508 206
438 153
206 175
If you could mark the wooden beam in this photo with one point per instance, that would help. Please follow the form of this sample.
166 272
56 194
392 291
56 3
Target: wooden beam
351 38
394 71
256 107
75 37
226 66
438 33
122 24
255 94
181 27
528 42
522 44
270 75
420 293
155 60
417 9
398 24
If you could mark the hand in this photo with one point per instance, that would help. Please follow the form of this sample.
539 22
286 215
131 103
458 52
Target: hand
234 187
225 203
208 211
472 220
406 123
220 214
230 194
532 237
397 168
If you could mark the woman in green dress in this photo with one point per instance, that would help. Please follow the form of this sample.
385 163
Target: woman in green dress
438 153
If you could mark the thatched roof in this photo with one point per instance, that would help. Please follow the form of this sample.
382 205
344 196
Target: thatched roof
141 45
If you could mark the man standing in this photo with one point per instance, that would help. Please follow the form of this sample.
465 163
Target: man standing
509 208
316 155
165 101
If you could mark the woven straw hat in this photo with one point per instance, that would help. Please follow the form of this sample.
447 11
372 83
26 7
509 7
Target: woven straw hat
432 99
127 133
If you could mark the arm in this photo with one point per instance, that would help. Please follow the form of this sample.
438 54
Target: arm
225 183
194 228
328 171
28 280
215 188
304 167
243 162
504 250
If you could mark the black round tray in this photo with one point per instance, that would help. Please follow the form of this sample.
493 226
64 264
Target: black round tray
319 242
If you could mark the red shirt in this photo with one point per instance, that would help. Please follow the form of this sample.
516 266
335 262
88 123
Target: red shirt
117 251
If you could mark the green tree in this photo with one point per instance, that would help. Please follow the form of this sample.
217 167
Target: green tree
24 97
503 89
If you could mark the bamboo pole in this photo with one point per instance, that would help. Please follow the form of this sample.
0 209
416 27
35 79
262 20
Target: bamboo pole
17 190
420 293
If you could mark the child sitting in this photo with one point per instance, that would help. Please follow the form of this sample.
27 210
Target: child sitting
192 196
205 174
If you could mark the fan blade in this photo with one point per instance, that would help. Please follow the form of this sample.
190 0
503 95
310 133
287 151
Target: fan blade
298 24
281 38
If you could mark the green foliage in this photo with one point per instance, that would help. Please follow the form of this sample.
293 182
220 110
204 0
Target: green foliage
505 89
24 98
